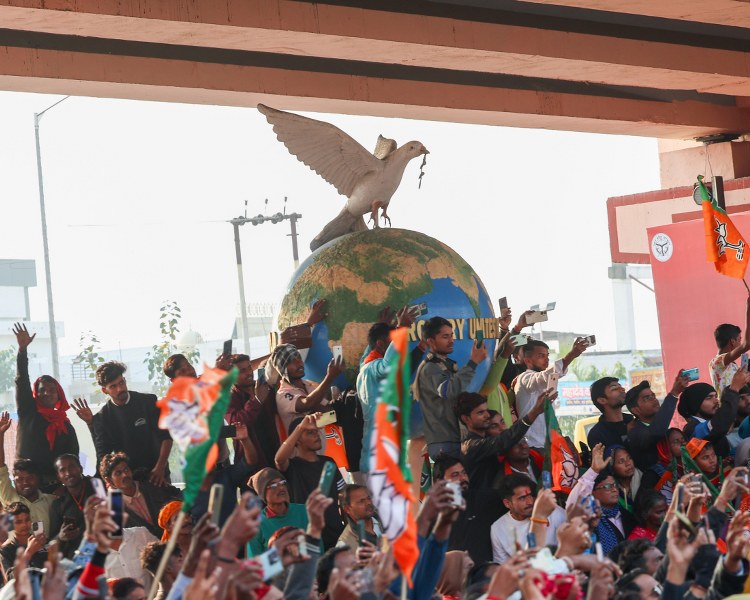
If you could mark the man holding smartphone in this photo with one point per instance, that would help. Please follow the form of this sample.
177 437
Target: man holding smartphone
536 380
438 384
373 370
296 395
66 514
651 419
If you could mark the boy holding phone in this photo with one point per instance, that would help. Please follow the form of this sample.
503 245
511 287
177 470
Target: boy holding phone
298 460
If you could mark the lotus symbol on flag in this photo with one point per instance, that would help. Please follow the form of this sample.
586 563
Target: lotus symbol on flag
185 423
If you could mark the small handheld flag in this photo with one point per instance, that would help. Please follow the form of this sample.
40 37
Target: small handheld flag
559 459
193 412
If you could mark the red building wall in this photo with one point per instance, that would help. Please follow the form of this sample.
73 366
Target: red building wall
691 297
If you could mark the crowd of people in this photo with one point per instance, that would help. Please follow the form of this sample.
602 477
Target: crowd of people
656 504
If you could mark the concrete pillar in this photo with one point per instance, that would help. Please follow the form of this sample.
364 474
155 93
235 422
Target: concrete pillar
622 293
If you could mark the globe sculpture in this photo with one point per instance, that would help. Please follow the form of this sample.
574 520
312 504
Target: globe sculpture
361 273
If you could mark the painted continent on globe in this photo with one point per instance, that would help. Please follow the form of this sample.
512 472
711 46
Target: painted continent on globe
361 273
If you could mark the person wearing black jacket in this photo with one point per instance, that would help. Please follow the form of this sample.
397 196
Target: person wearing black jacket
707 418
651 420
129 422
612 428
44 430
479 450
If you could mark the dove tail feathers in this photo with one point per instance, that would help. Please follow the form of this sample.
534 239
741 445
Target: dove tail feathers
345 222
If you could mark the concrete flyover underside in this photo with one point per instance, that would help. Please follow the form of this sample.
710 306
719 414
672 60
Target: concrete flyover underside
667 69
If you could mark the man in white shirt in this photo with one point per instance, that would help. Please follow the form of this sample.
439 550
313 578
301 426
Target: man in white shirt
513 527
124 558
536 380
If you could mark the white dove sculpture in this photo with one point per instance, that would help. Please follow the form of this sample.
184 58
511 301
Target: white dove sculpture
367 180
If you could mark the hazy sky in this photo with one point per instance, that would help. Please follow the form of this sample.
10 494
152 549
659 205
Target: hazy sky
137 194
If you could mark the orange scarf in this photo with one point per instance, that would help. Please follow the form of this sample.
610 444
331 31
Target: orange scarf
165 514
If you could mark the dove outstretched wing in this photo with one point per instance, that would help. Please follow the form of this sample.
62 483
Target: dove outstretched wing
331 153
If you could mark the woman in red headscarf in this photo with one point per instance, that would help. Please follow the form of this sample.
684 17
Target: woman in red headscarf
44 430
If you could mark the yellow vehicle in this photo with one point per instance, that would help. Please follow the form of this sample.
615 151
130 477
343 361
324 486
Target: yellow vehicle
581 432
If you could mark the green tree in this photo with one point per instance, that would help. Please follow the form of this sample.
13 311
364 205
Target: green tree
89 357
169 326
7 369
587 372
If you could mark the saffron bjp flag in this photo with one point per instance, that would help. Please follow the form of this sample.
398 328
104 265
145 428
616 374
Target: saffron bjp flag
335 445
725 247
390 475
559 458
193 412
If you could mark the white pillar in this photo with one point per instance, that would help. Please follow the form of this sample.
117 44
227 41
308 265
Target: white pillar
622 293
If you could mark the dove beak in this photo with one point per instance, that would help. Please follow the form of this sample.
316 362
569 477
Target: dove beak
425 150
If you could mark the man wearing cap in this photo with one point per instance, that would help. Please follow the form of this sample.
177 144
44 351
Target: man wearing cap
612 428
707 419
297 396
279 512
651 420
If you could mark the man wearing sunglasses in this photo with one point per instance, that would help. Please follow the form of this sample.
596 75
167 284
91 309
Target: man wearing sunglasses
616 523
279 512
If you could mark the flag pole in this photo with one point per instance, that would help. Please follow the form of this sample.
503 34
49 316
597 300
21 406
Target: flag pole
403 586
167 553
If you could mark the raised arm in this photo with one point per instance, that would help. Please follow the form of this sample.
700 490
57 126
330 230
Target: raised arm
585 483
498 367
450 385
316 397
578 347
24 397
733 355
720 424
286 450
8 493
5 423
248 449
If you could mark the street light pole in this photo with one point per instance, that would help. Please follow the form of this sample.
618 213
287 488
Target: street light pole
240 278
259 220
47 270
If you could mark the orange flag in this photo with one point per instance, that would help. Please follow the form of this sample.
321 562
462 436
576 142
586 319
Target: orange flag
559 459
725 247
